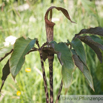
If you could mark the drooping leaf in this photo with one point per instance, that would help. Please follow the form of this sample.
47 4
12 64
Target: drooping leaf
77 45
90 40
77 61
65 58
5 52
21 48
96 31
67 76
88 76
83 68
95 46
97 39
5 73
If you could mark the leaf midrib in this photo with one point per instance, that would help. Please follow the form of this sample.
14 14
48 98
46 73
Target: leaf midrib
22 54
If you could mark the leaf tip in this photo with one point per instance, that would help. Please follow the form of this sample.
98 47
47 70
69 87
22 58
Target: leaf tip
73 22
93 88
2 85
66 90
13 77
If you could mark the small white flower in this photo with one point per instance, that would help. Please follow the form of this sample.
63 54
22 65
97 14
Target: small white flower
6 44
10 40
22 7
7 1
55 19
32 19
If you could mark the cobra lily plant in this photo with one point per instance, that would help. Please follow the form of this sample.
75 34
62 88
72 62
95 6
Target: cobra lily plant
70 54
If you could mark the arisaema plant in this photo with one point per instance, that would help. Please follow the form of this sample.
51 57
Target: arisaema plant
70 54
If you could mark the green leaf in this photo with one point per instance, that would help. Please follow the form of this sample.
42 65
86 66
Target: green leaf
21 48
90 40
97 39
4 51
88 77
77 61
94 45
77 45
67 75
65 57
5 73
83 68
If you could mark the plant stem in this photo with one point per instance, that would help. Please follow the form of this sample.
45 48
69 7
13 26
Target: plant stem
6 55
44 77
49 34
60 89
50 60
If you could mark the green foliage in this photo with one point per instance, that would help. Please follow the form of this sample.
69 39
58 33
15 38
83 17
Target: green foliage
90 42
83 68
65 57
4 51
21 48
77 45
17 23
97 39
5 73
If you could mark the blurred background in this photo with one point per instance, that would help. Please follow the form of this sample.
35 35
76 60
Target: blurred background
26 18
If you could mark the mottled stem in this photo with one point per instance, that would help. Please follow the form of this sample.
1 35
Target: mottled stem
49 34
60 89
50 60
44 77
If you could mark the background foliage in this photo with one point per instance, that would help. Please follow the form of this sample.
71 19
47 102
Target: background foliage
29 22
